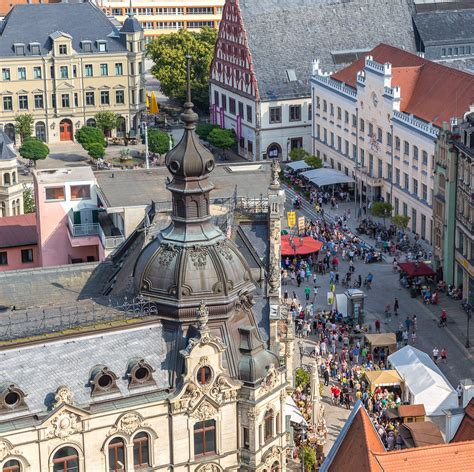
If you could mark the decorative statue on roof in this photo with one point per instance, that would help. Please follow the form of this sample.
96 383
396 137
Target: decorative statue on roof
275 173
202 316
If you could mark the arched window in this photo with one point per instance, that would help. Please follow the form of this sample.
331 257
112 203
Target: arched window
275 467
66 460
14 177
40 131
204 375
121 127
117 455
205 438
3 209
91 122
141 454
268 425
6 178
12 466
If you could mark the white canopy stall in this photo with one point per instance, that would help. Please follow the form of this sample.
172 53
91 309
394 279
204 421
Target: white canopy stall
297 166
322 177
424 381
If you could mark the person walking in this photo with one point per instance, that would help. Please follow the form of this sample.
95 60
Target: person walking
307 292
326 377
444 355
285 297
435 354
396 307
377 326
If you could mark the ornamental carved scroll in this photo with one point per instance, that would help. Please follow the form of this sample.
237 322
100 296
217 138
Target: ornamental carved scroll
209 468
167 254
199 257
127 424
204 412
6 449
64 425
63 395
222 391
270 380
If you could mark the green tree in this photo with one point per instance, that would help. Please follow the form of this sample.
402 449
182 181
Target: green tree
106 121
168 53
308 456
24 125
203 130
381 210
302 378
400 221
222 138
158 141
34 150
96 151
88 135
314 161
298 154
28 200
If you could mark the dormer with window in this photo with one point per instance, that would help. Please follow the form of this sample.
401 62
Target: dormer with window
19 49
86 45
101 45
35 49
103 381
12 398
140 373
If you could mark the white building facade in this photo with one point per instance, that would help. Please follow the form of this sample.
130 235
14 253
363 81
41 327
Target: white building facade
264 129
361 131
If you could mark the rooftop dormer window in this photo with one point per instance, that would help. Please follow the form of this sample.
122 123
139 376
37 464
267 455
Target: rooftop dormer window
35 49
87 46
63 49
140 373
103 381
11 398
102 46
19 49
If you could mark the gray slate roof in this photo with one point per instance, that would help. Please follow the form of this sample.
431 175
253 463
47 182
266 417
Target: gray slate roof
5 151
36 23
40 369
439 27
290 34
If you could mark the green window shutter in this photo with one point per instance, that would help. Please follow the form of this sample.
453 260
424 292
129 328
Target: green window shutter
77 217
95 216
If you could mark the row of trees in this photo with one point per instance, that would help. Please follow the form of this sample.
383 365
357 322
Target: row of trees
384 210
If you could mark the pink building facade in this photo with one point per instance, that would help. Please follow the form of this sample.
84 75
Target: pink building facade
71 227
18 242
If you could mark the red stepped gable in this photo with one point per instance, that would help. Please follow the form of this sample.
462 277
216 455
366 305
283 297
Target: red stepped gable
232 64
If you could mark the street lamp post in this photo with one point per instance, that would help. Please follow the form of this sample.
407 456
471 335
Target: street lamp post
302 454
467 308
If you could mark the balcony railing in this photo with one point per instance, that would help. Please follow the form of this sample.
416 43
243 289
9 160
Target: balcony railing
94 229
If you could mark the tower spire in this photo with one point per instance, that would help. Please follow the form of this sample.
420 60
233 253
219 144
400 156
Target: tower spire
188 78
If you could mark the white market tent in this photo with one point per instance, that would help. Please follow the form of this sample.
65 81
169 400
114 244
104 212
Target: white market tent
424 381
298 165
293 412
321 177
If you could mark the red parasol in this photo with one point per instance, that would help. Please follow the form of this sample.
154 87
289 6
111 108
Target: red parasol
301 246
417 269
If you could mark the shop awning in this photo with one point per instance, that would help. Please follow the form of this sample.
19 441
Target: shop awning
298 165
417 269
293 412
385 340
322 177
383 378
299 246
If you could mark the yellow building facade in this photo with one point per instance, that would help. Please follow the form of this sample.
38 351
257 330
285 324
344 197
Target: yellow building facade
166 16
64 77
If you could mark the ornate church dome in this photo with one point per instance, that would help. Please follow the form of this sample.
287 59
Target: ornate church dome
191 260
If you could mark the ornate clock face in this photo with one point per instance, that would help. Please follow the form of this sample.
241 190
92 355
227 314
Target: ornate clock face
375 99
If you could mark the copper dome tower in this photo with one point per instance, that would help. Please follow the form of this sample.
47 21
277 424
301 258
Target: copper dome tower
191 260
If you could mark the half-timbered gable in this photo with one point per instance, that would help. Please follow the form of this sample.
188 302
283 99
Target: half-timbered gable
232 64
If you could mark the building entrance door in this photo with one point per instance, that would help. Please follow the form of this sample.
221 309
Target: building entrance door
65 130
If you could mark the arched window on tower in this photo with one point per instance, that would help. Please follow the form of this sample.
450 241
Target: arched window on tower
141 451
12 466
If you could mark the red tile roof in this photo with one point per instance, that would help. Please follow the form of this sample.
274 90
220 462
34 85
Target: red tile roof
18 230
430 91
453 457
465 431
355 452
